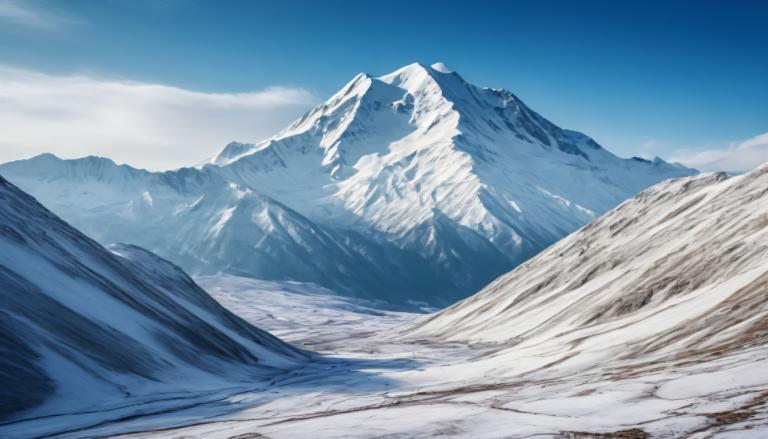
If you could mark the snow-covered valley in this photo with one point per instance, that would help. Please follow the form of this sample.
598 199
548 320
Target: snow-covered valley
371 383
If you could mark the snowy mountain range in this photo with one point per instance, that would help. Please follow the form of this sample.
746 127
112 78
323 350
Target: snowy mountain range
412 187
85 326
650 322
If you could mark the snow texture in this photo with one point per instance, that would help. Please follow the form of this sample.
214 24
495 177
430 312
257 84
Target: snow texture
647 323
85 327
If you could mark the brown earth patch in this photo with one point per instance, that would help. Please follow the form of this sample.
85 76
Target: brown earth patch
633 433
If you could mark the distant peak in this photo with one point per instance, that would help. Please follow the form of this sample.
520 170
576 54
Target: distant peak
96 159
360 76
45 156
441 67
49 157
232 151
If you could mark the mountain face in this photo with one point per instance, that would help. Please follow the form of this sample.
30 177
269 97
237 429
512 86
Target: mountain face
675 276
82 324
412 187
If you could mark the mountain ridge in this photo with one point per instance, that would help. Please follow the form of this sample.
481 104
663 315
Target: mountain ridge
84 324
415 165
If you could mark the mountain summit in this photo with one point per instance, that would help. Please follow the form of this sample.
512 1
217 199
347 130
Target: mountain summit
414 186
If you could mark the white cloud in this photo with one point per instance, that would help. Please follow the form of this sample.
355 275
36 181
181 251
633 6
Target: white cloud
28 14
737 156
647 148
145 125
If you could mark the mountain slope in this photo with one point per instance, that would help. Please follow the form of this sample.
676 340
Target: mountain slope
84 325
678 272
208 224
417 187
648 322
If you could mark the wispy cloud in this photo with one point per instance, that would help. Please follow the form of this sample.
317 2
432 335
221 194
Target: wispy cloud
147 125
31 14
736 156
648 147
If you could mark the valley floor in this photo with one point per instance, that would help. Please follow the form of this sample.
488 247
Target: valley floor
370 382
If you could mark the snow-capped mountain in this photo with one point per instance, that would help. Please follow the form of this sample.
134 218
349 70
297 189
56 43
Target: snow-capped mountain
413 186
84 326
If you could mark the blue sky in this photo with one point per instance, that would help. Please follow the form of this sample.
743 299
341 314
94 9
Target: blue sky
677 79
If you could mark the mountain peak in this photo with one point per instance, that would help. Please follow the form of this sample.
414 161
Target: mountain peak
46 156
360 78
232 150
441 67
410 71
419 68
418 107
417 74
